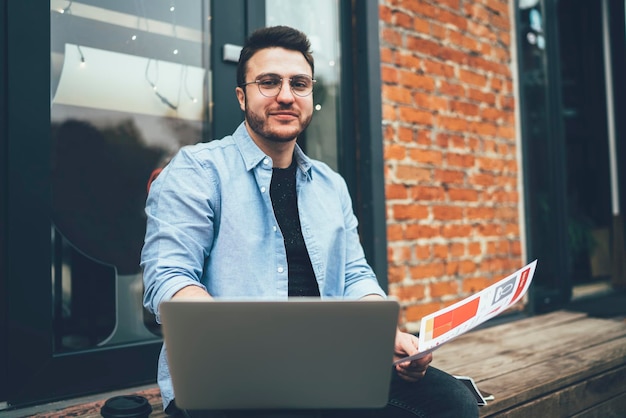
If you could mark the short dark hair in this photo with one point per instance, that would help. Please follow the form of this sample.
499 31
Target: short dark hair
273 37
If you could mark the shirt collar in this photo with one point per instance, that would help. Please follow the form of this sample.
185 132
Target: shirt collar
253 156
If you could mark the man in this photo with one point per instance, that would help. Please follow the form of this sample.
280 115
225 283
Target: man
251 215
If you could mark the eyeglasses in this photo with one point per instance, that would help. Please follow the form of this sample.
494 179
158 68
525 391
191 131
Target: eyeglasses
270 84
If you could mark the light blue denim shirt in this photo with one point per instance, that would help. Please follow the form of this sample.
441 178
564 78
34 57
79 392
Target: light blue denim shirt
211 223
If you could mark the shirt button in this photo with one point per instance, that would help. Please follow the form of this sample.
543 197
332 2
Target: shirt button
263 189
280 269
266 161
274 228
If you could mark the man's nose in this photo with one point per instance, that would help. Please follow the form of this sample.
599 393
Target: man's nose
285 94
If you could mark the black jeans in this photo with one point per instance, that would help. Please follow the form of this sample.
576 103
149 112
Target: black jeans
437 395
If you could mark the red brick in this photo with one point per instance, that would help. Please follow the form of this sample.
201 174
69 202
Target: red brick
384 13
412 174
460 160
449 176
474 248
454 231
471 77
424 46
438 31
408 61
448 141
417 231
424 136
396 274
386 56
440 251
447 288
483 179
438 68
391 37
389 74
499 6
394 232
463 41
388 112
475 284
416 81
396 94
457 249
412 115
447 213
405 134
410 293
424 156
428 101
464 108
422 252
419 7
426 270
401 212
402 19
483 128
396 192
428 193
421 25
452 89
466 195
452 123
480 213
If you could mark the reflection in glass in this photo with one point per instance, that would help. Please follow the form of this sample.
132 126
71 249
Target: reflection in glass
319 20
128 89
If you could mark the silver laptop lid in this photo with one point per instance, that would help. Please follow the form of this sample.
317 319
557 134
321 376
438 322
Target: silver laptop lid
296 354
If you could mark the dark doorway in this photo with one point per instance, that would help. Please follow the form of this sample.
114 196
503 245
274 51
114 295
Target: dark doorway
585 133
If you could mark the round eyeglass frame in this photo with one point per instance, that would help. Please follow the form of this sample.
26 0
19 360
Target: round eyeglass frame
258 83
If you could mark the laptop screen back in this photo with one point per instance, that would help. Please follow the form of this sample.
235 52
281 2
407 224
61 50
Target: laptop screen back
296 354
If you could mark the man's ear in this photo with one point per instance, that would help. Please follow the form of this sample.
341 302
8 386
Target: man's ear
241 96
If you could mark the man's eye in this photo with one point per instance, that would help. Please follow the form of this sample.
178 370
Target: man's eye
299 83
269 82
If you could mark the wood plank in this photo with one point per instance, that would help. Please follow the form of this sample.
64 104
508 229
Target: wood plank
613 408
523 385
497 334
573 399
92 409
484 358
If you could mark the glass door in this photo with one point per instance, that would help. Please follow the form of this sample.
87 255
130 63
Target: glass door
129 87
99 95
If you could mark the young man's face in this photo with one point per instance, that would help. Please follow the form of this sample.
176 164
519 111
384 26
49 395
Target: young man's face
281 118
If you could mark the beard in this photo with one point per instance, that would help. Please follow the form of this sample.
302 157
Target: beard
259 124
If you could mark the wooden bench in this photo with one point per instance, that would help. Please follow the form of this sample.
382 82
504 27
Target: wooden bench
562 364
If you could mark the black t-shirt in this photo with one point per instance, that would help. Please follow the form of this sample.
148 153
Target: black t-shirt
285 202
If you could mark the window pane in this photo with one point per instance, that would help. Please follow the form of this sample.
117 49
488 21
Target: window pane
129 87
320 21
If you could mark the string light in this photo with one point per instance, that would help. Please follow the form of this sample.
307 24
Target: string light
68 10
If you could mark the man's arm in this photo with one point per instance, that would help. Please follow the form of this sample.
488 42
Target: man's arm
192 292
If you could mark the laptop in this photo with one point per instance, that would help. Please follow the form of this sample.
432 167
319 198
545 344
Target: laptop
296 354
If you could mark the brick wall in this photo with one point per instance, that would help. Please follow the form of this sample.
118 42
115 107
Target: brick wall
451 172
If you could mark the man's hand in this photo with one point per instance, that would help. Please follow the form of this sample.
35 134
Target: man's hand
406 345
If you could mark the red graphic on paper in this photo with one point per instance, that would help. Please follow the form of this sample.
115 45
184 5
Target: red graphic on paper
452 319
521 285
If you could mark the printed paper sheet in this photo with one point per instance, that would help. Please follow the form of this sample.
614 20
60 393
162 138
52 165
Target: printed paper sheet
454 320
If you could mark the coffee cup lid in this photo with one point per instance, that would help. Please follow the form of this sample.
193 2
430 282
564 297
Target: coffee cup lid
126 406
